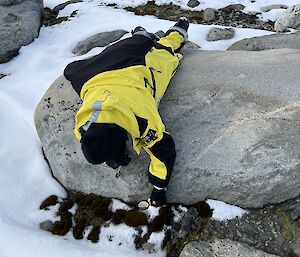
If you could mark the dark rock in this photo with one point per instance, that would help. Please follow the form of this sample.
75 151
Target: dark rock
50 17
59 7
215 34
98 40
193 3
19 24
229 16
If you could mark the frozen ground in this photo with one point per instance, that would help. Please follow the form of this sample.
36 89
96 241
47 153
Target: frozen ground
25 179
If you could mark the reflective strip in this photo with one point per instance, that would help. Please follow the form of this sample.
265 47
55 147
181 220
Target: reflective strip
143 33
160 188
97 109
181 31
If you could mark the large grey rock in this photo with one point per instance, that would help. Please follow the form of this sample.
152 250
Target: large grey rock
10 2
291 19
274 41
19 25
98 40
235 118
221 248
215 34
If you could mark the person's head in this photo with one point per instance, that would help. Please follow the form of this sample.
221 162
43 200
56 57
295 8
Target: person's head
103 143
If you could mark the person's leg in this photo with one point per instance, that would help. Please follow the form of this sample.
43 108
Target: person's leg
163 59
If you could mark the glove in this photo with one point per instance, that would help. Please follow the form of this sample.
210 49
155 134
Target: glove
158 197
121 161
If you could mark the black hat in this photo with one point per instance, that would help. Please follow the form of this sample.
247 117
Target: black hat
103 142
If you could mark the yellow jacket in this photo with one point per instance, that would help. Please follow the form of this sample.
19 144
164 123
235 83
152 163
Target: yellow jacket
125 86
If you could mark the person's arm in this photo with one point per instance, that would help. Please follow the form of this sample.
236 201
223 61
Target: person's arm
162 155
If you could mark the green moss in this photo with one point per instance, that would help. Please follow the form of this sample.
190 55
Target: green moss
51 200
66 205
94 234
118 216
135 218
203 209
289 228
63 226
107 215
79 228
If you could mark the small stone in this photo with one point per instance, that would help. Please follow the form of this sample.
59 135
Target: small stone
216 34
149 247
46 225
209 14
191 45
193 3
98 40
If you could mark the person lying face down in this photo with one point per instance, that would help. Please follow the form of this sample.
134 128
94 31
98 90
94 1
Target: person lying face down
120 90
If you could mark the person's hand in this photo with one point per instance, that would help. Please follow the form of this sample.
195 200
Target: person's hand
158 197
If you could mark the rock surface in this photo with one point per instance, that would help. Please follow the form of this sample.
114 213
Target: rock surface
19 25
268 8
215 34
98 40
271 229
274 41
221 248
291 19
10 2
241 144
209 14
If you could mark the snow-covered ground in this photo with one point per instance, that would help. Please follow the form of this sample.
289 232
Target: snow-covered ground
25 178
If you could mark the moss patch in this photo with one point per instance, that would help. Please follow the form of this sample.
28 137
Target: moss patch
49 201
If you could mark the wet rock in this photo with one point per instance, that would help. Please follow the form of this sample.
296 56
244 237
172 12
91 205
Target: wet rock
98 40
268 8
215 34
222 248
245 132
46 225
275 41
209 14
193 3
290 19
19 25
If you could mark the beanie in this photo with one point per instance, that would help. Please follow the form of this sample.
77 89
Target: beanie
103 142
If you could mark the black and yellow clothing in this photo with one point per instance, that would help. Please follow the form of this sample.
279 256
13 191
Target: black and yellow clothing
123 85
